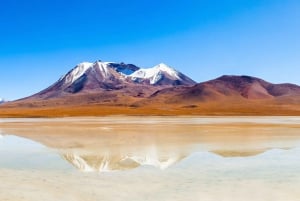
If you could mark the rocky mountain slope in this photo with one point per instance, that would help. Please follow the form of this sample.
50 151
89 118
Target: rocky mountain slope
109 76
105 88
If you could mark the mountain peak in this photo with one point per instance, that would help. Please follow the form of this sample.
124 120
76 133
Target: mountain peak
76 72
245 78
103 67
163 66
161 74
171 71
102 76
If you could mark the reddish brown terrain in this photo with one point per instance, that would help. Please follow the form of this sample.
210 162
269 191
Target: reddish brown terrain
102 90
227 95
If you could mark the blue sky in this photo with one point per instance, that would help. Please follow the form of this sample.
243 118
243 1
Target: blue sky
42 40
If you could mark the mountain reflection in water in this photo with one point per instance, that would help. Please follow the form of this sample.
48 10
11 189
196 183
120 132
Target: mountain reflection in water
111 144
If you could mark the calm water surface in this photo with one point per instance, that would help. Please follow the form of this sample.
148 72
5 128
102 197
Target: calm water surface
150 158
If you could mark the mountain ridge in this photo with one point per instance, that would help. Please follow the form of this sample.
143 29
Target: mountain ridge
106 76
246 87
103 88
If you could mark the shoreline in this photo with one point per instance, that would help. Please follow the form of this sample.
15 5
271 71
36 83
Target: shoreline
141 113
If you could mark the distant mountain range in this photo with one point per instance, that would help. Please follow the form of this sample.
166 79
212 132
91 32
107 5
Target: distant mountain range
102 88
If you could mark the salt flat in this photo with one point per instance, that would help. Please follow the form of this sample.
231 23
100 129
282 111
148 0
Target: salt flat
150 158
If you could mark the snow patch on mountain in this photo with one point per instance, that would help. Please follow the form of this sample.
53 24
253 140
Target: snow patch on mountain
156 73
83 67
171 71
103 67
77 72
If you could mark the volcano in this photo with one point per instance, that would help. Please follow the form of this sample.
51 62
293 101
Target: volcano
108 88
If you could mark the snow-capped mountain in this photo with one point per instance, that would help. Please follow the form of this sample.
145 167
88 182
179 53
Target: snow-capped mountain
107 71
102 71
108 76
160 75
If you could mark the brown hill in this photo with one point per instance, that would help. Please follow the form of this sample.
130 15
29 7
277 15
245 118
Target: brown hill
226 95
228 87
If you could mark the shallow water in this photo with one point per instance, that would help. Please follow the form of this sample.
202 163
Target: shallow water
150 158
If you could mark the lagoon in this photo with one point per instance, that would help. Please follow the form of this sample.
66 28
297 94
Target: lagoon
150 158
